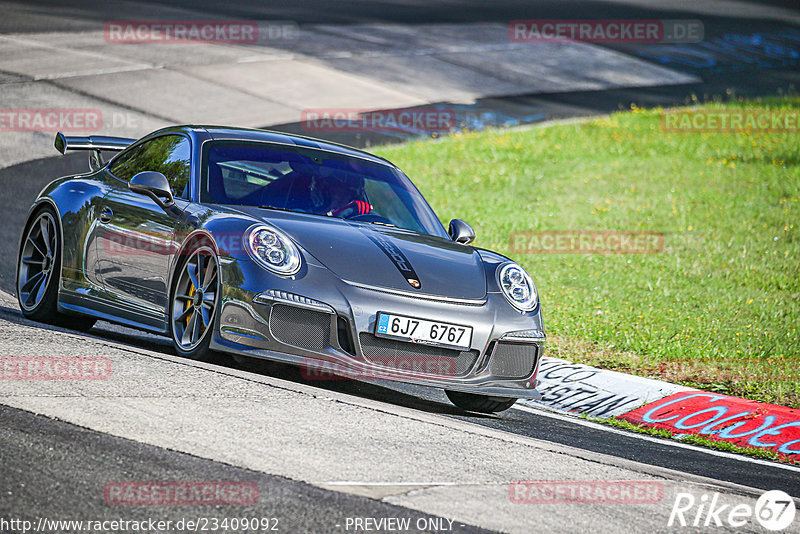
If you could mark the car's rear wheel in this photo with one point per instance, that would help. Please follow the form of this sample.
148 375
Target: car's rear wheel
472 402
195 293
39 270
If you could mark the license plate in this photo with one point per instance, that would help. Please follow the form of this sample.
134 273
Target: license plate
413 330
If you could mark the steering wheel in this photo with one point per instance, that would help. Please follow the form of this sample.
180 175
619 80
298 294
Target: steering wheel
353 208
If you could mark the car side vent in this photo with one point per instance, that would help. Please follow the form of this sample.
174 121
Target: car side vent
345 337
513 360
299 327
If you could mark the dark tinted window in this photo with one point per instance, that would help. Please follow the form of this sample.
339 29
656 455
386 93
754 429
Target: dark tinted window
313 181
169 154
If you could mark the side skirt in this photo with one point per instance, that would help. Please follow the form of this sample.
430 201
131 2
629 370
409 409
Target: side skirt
75 303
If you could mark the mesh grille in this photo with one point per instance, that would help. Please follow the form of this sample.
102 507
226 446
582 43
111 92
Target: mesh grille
513 360
400 355
302 328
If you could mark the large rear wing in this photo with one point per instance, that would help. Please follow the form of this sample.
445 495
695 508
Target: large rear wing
95 143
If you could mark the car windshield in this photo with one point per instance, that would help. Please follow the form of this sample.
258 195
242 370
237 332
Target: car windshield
318 182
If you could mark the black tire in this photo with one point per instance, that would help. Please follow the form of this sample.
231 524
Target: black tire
40 252
472 402
184 340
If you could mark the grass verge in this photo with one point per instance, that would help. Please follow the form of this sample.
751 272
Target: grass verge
717 309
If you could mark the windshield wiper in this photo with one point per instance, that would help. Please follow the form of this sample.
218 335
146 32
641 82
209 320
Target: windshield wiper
268 207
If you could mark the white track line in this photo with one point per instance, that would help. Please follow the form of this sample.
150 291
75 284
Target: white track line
591 424
346 483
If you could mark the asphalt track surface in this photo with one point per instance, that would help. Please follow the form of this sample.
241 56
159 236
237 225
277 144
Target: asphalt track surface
57 470
53 15
656 452
541 425
75 464
40 454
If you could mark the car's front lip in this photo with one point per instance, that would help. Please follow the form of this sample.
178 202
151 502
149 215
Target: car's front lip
244 327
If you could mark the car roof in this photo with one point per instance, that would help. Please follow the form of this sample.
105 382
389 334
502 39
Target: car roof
268 136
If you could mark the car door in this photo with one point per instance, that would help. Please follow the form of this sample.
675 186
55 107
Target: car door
136 235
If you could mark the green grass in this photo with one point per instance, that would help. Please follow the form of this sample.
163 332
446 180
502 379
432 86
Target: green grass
717 309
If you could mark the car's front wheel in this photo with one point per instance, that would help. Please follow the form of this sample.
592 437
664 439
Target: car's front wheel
473 402
195 292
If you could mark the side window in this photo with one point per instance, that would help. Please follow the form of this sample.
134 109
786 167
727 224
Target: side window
125 166
169 154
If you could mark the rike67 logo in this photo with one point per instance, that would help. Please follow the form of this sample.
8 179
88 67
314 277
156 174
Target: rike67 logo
774 510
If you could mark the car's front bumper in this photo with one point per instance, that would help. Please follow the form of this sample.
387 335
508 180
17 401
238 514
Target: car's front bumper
326 326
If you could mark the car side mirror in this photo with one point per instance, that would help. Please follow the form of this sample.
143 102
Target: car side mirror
153 184
461 232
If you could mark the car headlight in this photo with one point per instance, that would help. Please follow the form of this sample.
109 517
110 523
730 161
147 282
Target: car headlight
272 249
517 286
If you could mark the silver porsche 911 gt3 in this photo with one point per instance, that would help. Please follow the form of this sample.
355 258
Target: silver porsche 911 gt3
274 246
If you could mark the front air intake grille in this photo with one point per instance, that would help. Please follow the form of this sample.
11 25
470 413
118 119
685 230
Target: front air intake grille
345 338
513 360
416 358
299 327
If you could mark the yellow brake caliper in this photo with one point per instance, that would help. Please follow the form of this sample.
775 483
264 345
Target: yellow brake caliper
192 291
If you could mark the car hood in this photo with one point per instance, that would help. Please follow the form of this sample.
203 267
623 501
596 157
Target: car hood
384 257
